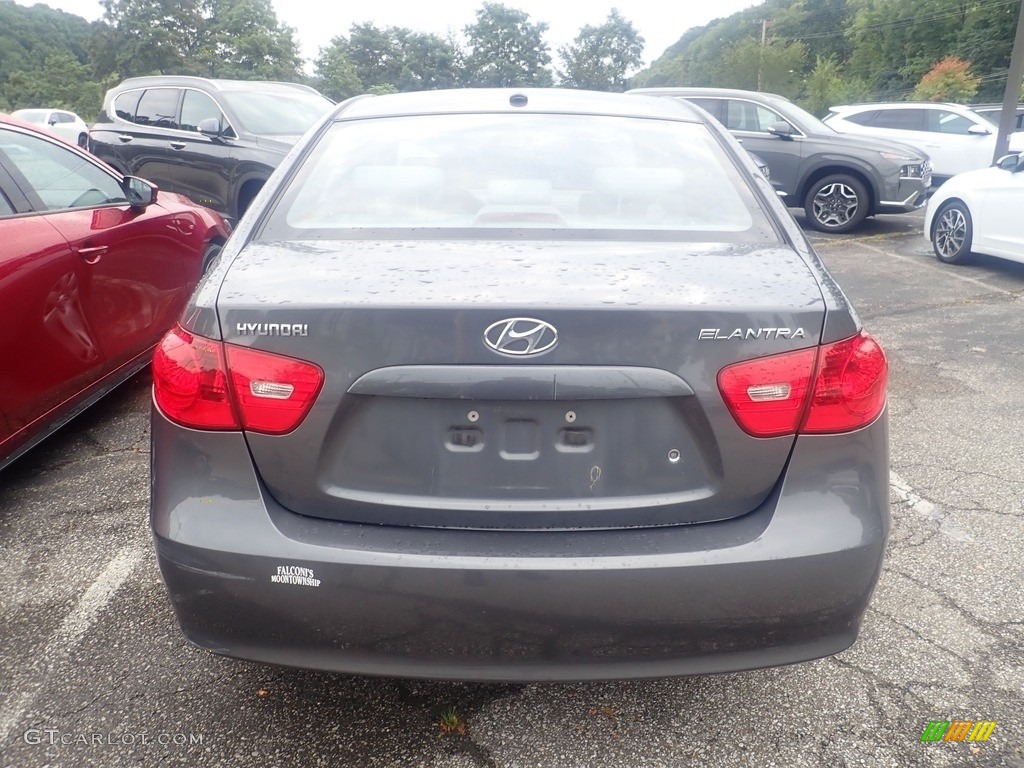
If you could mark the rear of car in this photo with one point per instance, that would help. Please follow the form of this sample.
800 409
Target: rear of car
59 122
519 385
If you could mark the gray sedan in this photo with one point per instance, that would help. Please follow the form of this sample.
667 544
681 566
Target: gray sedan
519 385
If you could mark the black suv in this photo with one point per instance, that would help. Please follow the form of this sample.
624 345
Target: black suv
215 141
838 179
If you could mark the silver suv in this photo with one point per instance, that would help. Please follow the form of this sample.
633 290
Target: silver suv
839 180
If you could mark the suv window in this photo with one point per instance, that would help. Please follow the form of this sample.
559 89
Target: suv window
60 177
712 106
900 119
196 106
861 118
943 121
278 112
747 116
125 105
158 106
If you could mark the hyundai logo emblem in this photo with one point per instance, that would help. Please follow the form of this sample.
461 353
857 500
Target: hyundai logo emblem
520 336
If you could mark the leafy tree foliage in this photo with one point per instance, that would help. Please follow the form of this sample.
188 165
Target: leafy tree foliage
825 87
878 49
62 82
146 37
386 61
336 75
506 49
949 80
243 40
775 66
600 57
44 60
240 39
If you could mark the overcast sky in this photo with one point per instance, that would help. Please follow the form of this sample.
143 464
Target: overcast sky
661 22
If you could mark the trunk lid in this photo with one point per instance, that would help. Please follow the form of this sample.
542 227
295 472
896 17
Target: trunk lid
430 414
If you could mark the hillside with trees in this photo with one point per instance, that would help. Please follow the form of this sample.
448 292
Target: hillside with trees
819 52
823 52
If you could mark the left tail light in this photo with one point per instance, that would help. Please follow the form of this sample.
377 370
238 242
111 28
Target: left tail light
206 384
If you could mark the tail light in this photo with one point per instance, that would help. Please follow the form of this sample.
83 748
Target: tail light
206 384
834 388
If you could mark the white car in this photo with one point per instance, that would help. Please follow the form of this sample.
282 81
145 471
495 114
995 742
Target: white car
957 139
61 122
979 212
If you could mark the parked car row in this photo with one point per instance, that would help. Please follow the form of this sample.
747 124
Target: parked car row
955 138
838 180
216 141
700 385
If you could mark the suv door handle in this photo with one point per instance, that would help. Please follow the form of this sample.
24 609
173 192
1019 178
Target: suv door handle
93 254
124 138
177 145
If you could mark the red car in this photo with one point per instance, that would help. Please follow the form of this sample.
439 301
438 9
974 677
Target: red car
94 268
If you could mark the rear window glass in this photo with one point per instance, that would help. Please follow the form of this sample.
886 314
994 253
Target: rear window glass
559 173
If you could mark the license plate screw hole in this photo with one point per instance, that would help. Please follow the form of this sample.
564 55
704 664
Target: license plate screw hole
674 456
473 416
570 416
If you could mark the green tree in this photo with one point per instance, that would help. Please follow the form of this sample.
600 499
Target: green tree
895 42
506 49
600 57
62 82
431 62
986 40
336 75
819 24
392 59
775 66
243 39
949 80
44 60
377 54
146 36
826 86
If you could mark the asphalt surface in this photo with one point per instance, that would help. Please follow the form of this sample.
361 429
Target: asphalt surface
93 671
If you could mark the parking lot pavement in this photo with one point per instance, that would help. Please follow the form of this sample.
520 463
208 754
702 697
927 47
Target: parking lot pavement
95 673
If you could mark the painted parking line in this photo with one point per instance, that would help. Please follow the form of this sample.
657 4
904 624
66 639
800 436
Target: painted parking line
925 508
71 631
934 266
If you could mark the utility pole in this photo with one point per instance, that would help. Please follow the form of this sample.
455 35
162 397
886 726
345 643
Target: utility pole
765 23
1012 93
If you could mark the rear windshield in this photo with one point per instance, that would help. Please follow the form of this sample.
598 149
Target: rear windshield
568 174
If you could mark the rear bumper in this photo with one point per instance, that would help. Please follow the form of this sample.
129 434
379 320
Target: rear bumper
788 582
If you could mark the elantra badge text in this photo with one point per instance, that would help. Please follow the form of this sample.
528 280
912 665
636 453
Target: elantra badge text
717 334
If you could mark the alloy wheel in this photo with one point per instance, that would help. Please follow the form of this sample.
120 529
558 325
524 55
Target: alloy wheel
950 233
835 204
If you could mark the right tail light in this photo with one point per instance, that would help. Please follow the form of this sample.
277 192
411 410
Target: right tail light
834 388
